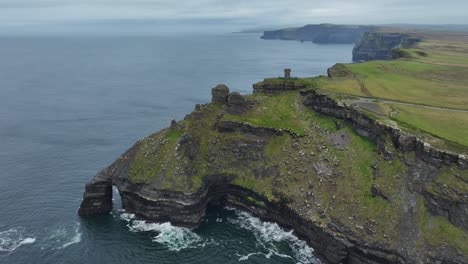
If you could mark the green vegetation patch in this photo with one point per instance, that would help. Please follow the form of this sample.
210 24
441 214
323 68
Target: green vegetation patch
451 125
450 184
283 110
405 81
308 82
155 153
438 231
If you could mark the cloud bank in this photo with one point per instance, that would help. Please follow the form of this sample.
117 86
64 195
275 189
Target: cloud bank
236 13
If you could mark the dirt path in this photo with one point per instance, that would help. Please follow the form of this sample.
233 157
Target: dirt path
364 99
426 106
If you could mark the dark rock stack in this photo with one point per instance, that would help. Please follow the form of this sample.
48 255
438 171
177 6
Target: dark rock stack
220 94
97 198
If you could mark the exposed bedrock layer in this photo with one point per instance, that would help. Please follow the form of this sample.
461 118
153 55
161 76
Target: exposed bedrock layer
281 175
378 131
381 45
440 198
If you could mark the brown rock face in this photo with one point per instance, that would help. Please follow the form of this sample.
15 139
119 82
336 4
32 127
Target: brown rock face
220 94
97 198
238 104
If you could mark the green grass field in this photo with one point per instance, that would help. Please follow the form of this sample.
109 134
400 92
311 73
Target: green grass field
451 125
281 110
434 73
405 81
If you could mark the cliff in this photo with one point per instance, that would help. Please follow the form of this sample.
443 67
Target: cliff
372 43
321 34
381 45
358 191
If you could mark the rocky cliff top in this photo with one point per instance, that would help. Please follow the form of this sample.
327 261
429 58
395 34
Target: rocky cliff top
335 158
363 198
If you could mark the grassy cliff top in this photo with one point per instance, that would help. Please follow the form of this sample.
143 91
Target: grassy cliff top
424 91
321 167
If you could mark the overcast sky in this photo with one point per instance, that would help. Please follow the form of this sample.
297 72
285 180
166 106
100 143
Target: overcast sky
235 13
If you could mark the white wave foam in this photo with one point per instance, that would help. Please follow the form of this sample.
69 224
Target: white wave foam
14 238
64 236
267 234
127 217
75 237
246 257
175 238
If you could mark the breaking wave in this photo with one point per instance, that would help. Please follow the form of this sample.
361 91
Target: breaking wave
14 238
64 236
174 238
268 235
271 239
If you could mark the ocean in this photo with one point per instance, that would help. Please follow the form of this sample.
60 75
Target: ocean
70 105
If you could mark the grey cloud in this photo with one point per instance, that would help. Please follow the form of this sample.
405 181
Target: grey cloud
273 12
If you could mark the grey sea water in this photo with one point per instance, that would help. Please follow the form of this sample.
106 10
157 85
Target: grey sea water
70 105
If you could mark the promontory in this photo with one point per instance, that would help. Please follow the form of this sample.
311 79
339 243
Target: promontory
368 164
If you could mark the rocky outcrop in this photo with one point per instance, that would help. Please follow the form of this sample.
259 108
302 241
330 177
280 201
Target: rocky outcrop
321 34
239 126
237 104
97 198
339 70
378 131
219 94
442 200
449 202
280 175
380 45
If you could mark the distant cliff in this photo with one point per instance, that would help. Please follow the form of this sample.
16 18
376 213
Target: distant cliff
322 33
372 43
381 45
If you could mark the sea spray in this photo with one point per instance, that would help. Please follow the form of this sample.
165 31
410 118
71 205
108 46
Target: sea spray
14 238
174 238
271 239
268 235
63 236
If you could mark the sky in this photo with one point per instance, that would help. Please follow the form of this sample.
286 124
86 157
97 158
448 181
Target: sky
229 15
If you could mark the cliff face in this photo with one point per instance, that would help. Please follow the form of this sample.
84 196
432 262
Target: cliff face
380 45
392 199
321 34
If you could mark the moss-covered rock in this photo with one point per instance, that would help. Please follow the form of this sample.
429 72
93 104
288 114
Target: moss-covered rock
354 197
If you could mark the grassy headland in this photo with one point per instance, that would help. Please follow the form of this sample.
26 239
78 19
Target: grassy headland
425 91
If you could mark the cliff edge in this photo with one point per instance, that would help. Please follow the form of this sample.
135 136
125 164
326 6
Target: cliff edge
356 190
382 45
